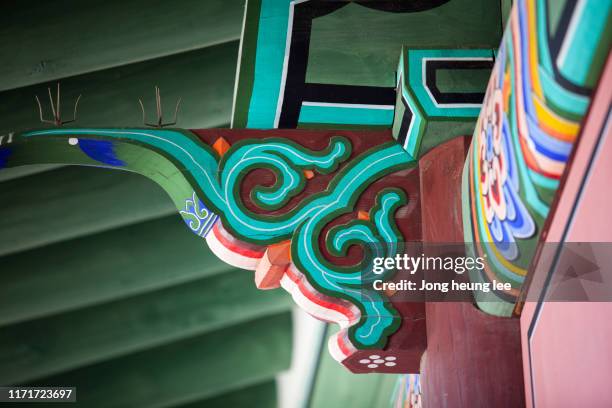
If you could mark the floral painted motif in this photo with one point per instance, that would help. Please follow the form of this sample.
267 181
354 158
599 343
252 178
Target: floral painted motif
506 215
531 117
197 217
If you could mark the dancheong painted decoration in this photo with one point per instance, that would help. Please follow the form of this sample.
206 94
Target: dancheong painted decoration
536 101
351 136
290 204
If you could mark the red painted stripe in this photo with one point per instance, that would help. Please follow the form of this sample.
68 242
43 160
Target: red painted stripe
236 246
345 350
316 297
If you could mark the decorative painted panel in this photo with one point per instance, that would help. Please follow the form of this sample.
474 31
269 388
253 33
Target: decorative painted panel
332 64
538 95
302 208
423 110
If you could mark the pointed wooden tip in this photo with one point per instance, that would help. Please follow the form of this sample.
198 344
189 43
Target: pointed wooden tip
280 254
221 146
273 265
268 276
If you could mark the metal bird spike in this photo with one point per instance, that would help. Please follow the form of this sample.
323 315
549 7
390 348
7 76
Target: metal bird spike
56 109
158 105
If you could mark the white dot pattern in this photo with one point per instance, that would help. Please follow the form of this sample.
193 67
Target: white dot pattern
375 361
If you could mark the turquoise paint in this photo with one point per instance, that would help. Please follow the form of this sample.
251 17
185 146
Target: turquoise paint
220 182
581 46
270 55
290 180
412 143
565 99
377 316
345 115
353 233
416 81
543 181
413 140
544 46
280 156
383 219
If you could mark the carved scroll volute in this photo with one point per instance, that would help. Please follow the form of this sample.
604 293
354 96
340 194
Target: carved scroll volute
301 208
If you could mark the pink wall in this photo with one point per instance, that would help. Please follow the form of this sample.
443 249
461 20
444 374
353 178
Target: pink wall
567 360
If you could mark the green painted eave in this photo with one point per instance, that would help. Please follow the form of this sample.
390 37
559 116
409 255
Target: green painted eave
102 286
46 41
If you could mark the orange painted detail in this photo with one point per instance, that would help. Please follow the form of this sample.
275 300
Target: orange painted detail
280 254
221 146
268 276
273 265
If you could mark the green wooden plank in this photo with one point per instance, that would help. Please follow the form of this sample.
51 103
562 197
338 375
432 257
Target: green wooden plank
44 41
72 202
64 342
256 396
200 367
103 267
335 386
203 78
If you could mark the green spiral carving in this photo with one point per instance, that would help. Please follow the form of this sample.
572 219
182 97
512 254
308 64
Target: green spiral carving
190 170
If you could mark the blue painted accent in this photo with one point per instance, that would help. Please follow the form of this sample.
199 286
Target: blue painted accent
345 115
219 184
197 216
101 150
4 155
196 158
529 190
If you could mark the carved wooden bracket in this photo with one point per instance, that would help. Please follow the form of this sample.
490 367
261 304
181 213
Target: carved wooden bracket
299 207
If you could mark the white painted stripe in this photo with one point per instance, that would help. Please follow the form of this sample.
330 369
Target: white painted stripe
412 120
334 348
570 33
229 257
237 80
281 92
210 223
313 309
